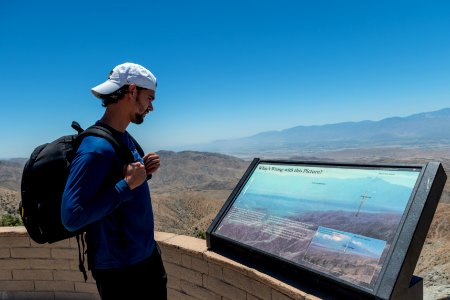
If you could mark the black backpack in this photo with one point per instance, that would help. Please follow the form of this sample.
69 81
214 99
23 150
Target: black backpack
44 178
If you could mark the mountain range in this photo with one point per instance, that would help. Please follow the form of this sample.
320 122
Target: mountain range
424 130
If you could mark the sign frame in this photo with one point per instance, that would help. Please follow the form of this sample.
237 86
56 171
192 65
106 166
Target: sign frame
396 275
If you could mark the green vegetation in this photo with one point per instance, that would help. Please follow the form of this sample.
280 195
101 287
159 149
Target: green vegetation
200 234
10 220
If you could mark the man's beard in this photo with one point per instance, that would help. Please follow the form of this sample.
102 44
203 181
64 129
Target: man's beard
139 119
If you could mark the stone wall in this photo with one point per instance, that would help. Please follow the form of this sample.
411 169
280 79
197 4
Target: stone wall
33 271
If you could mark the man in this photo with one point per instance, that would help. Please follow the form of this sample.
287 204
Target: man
111 199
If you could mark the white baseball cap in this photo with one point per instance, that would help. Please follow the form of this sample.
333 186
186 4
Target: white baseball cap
126 73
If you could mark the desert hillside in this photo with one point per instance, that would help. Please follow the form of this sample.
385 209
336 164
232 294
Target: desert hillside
191 187
11 174
10 178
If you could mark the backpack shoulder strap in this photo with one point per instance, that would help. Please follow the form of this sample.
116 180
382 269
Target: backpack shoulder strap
103 132
140 151
136 144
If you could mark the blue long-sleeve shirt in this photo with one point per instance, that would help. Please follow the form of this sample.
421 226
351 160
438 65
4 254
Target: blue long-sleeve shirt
119 221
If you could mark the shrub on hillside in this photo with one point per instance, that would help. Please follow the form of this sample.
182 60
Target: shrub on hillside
10 220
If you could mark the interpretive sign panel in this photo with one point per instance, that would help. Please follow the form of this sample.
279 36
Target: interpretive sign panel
340 222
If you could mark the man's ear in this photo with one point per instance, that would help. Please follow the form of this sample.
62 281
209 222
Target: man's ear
132 88
132 92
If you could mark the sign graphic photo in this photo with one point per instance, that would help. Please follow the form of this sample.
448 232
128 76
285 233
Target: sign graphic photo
348 227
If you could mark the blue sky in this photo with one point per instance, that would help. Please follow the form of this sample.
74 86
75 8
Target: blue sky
225 69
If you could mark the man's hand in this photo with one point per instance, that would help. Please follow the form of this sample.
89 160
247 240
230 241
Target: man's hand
134 174
152 162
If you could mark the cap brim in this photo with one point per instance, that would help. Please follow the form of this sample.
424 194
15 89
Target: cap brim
105 88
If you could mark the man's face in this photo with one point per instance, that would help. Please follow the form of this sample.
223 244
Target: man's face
144 100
